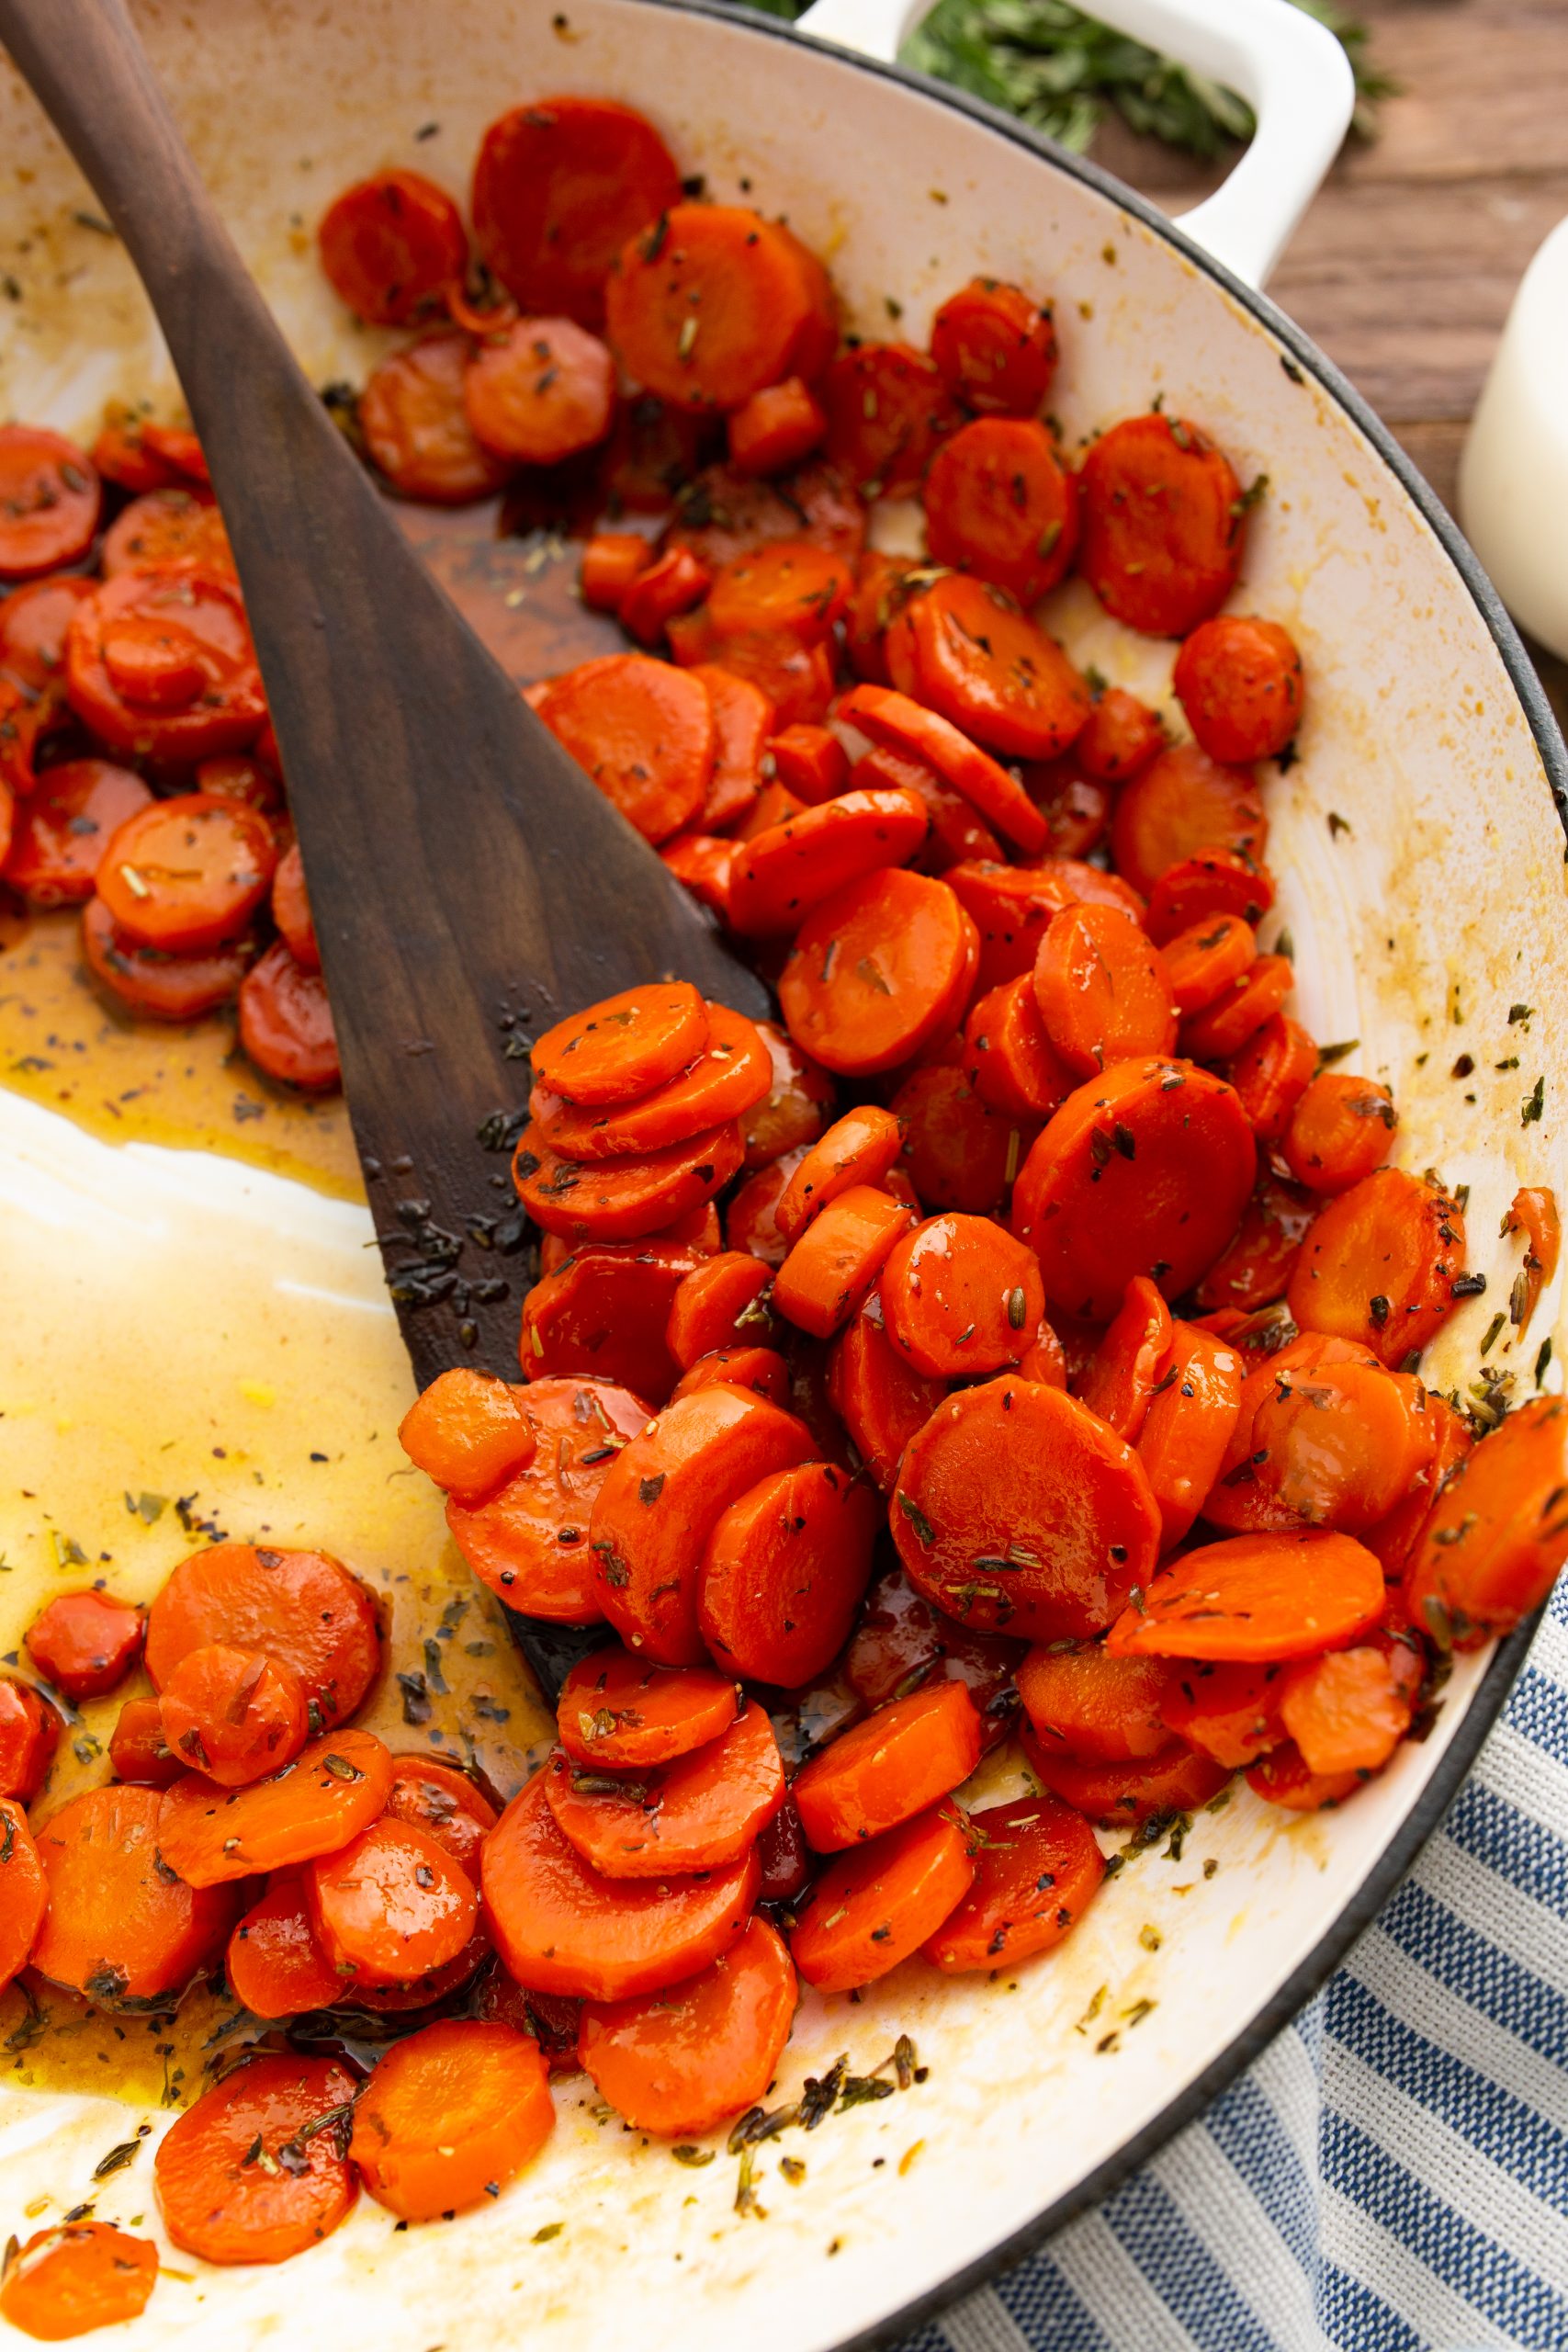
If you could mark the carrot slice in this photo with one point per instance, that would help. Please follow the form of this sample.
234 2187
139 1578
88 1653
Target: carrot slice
275 1964
877 971
1498 1534
1325 1438
986 666
605 1311
529 1541
999 502
1098 1708
902 1643
857 1149
1256 1598
784 1571
643 731
176 529
748 1219
618 1712
996 348
1102 990
33 623
220 2202
684 2059
838 1258
895 720
29 1733
880 1400
958 1153
811 762
1229 1711
1212 881
540 392
76 2276
879 1903
743 719
390 245
561 1926
696 1813
713 304
448 1805
889 412
1181 808
233 1714
120 1927
714 1304
121 455
1283 1776
1144 1170
291 910
789 588
186 873
960 1297
1393 1539
1010 1060
777 427
24 1890
50 501
160 664
335 1788
1348 1712
901 1760
1271 1073
727 1077
621 1199
1257 1264
559 185
1120 736
703 863
1207 959
138 1750
1240 681
416 426
86 1642
724 514
1380 1264
302 1607
390 1905
1176 1780
450 2115
612 561
762 1370
1018 1509
1341 1129
1036 1871
468 1432
1127 1368
285 1023
1164 524
781 874
1533 1210
63 829
625 1046
1188 1428
1011 905
1233 1018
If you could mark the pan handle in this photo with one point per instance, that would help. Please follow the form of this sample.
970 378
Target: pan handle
1291 70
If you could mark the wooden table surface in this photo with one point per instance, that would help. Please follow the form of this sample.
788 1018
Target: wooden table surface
1404 267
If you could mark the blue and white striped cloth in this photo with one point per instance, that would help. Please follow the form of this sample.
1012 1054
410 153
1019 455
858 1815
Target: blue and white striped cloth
1393 2175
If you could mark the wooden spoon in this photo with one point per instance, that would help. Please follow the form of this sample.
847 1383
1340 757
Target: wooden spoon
468 884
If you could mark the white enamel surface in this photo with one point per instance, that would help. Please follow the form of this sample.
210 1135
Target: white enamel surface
1513 480
1415 931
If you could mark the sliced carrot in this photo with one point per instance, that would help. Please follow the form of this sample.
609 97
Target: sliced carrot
762 1370
784 1571
1533 1210
1176 1780
1257 1264
448 1805
960 1297
1188 1428
1348 1712
1497 1532
777 427
302 1607
1321 1441
1234 1018
811 762
783 873
1240 681
529 1541
1210 882
773 806
29 1733
1271 1073
880 1400
877 971
743 721
788 588
177 446
859 1148
727 1077
838 1258
902 1643
1001 503
275 1964
660 1499
703 863
1077 809
50 501
120 1927
603 1311
1283 1776
798 678
724 514
285 1023
416 426
888 412
33 623
879 588
138 1749
178 529
1164 527
1231 1713
1017 1509
1341 1129
560 1927
1380 1264
671 586
390 245
1036 1871
449 2116
1393 1539
986 666
1180 809
1096 1708
959 1153
684 2059
186 873
626 1045
643 731
1011 1062
1256 1598
713 1304
621 1199
76 2277
902 725
291 910
25 1889
468 1432
247 776
1144 1170
696 1813
748 1221
559 185
220 2202
541 390
334 1789
1102 990
1120 736
1012 904
1126 1370
161 663
714 304
85 1643
618 1712
27 721
996 348
1206 960
879 1903
612 561
233 1715
391 1905
902 1758
121 456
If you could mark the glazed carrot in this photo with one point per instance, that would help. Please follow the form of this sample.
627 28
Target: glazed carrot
1012 904
1341 1129
796 678
1498 1534
748 1219
718 1300
1348 1712
1533 1210
335 1788
1099 1709
756 295
775 804
86 1642
220 2202
902 725
1094 1196
1102 990
529 1541
1321 1441
291 910
249 778
1182 808
63 828
811 762
877 1904
468 1432
232 1715
902 1643
728 1076
643 731
857 1149
274 1965
27 721
186 873
50 501
623 1198
302 1607
1380 1263
603 1311
616 1711
162 663
120 1927
761 1370
1009 1059
1176 1779
983 663
24 1891
29 1733
838 1258
1128 1367
957 830
783 873
1120 736
625 1046
901 1760
612 561
1394 1538
121 455
1271 1073
777 427
791 588
1164 523
1283 1778
1257 1264
1017 1509
999 502
1256 1598
1036 1871
559 185
877 971
416 426
703 863
880 583
1207 959
1188 1428
958 1152
743 718
390 245
138 1750
996 348
76 2276
880 1400
33 624
1240 681
1234 1018
684 2059
960 1297
660 1499
697 1813
391 1905
168 530
559 1926
786 1867
541 390
285 1023
450 2115
1211 881
447 1804
796 1108
783 1574
889 412
177 446
1231 1713
725 512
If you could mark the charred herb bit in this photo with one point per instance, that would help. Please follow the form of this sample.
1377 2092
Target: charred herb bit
1533 1105
1328 1055
1541 1361
916 1518
106 1985
339 1768
1468 1285
1337 824
686 2151
745 2195
432 1671
417 1709
819 2098
793 2169
760 2123
650 1489
32 2025
859 2090
1138 2012
125 2152
338 2120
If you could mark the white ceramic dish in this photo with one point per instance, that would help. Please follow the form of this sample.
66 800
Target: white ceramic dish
1415 929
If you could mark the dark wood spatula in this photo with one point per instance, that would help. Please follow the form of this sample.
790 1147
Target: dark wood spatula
468 884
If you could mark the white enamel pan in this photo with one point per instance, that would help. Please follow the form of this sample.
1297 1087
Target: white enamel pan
1432 906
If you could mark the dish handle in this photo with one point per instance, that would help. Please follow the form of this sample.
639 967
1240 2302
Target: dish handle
1291 70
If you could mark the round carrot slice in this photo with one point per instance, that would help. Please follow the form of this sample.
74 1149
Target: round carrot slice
1229 1711
138 1749
85 1643
1283 1777
1271 1073
529 1541
986 666
643 731
877 971
302 1607
880 1400
391 1905
1498 1534
559 185
777 427
888 412
186 873
1257 1264
958 1153
1011 906
728 1076
1256 1598
1187 1427
762 1370
24 1891
743 720
999 502
390 245
450 2115
1126 1368
696 1813
285 1023
782 873
1017 1509
1102 990
233 1714
161 663
1177 1780
1233 1018
996 348
220 2202
1380 1264
540 392
561 1926
1164 523
416 426
1183 805
900 1761
33 622
1212 881
120 1927
335 1788
1533 1210
859 1148
50 501
684 2059
176 529
29 1733
1122 736
784 1571
1240 681
1009 1058
1321 1441
605 1311
879 1903
274 1965
830 1270
714 304
621 1199
1206 960
616 1711
960 1297
625 1046
1393 1539
1341 1129
660 1499
1349 1711
468 1432
903 725
748 1219
789 587
717 1301
63 828
77 2276
447 1804
1036 1871
1101 1710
